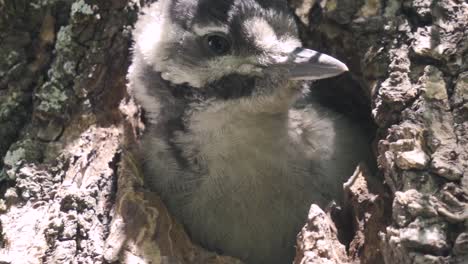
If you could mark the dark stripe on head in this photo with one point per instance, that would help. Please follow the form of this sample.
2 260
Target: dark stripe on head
189 12
186 13
210 11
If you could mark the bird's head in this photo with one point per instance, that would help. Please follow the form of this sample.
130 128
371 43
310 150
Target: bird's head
200 42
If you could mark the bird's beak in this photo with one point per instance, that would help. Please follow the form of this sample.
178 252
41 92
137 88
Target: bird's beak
306 64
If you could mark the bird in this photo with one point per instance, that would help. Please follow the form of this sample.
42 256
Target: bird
231 144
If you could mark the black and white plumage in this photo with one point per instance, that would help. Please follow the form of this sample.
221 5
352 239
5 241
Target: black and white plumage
230 146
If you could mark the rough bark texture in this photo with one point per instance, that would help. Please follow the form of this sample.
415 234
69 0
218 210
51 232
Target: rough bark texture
62 77
317 241
72 193
411 57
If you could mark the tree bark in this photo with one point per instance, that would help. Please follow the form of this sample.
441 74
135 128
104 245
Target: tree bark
73 193
411 59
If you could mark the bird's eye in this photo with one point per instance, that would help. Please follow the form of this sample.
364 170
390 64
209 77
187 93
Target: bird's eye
217 43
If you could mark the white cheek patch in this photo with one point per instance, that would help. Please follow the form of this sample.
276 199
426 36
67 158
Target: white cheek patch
178 75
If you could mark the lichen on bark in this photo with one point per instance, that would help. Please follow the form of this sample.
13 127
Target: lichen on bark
59 149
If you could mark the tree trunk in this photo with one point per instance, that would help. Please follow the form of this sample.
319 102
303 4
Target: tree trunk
411 58
73 193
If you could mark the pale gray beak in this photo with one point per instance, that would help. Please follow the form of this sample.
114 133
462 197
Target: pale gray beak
306 64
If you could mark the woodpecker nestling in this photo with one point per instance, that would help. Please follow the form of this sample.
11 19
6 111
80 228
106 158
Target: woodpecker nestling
230 145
